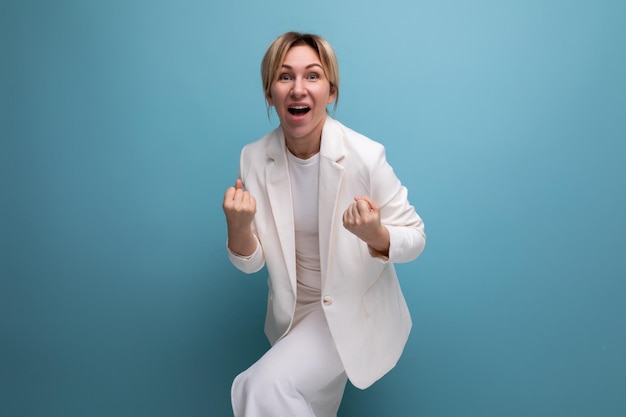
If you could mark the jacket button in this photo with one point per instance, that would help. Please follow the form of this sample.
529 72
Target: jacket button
327 300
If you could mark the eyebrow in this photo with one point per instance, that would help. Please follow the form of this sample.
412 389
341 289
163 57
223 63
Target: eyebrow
307 67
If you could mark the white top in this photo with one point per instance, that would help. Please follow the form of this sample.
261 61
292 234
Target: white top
304 177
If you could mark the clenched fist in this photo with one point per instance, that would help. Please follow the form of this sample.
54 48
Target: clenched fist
362 218
239 207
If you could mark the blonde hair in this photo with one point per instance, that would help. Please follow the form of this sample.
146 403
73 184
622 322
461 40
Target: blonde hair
276 52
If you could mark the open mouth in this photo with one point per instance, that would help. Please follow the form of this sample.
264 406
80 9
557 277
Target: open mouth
298 110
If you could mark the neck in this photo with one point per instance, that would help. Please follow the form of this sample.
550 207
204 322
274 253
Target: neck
303 148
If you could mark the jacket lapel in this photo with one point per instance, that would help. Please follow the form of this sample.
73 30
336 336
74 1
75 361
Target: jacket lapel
331 177
279 193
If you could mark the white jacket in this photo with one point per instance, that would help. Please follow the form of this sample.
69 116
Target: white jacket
361 297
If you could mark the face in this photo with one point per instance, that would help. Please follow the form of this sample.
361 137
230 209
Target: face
300 94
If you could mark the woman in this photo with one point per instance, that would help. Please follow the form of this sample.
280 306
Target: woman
320 206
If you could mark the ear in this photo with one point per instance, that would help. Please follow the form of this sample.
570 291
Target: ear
268 98
332 95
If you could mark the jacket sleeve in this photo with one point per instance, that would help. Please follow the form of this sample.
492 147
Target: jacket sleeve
406 229
251 263
248 264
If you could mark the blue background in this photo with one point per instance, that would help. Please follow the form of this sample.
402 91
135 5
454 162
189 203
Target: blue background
121 125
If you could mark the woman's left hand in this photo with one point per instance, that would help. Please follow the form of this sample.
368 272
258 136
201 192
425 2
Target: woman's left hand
362 218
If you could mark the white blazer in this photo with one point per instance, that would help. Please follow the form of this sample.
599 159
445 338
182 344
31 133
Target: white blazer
361 297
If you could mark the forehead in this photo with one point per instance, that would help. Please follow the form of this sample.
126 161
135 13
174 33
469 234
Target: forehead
301 55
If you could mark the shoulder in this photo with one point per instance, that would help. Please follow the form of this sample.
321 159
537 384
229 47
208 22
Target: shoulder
356 144
256 156
268 148
263 144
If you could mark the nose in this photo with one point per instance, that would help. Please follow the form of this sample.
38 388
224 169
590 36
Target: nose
298 87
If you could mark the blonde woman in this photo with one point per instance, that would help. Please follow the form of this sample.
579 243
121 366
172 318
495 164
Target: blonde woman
319 205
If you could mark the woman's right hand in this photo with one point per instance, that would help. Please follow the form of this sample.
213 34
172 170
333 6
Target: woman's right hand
240 207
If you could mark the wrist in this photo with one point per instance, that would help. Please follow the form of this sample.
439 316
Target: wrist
380 240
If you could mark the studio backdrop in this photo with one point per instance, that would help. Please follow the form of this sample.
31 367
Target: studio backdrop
121 126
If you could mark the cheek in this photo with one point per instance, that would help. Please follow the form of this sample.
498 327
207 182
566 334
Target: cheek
274 96
326 95
279 98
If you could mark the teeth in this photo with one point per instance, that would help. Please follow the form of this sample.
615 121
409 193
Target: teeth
299 107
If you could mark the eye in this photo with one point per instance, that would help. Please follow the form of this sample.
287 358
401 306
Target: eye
313 76
284 77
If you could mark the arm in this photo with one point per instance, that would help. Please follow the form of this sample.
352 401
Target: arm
385 220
